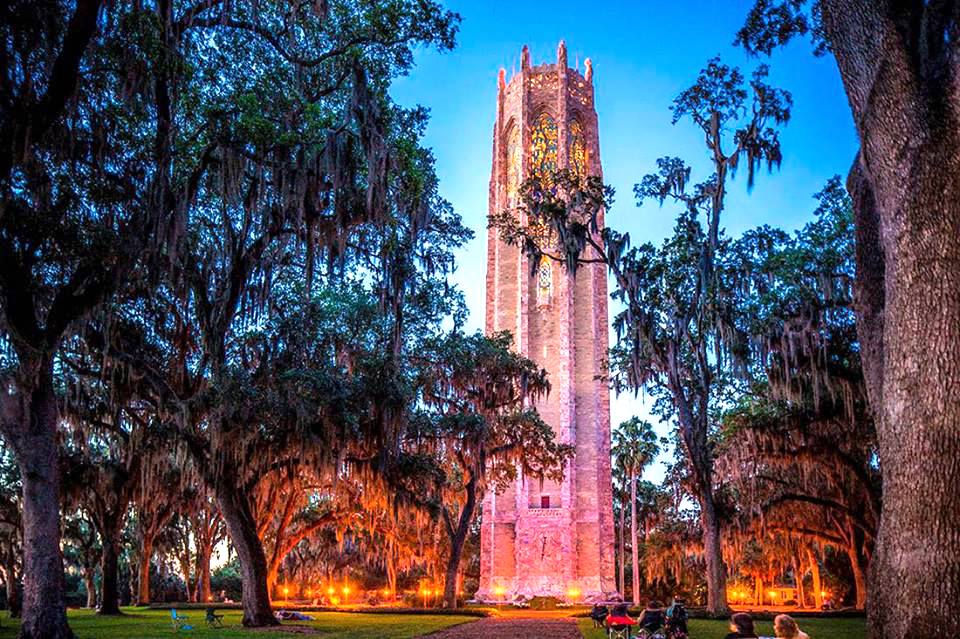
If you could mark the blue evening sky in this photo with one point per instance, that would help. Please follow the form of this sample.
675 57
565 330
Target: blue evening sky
644 53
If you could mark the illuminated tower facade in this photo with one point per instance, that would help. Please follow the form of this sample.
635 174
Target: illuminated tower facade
549 538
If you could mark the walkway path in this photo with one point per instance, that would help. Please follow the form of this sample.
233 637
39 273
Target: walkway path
515 628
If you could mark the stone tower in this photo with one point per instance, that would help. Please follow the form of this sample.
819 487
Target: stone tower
548 538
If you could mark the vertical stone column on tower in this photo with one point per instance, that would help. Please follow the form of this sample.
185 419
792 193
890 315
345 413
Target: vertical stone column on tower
542 537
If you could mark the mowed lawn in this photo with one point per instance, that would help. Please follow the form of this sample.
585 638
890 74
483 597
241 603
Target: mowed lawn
141 623
704 629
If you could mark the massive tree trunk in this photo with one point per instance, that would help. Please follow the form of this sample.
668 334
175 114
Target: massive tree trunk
458 536
899 65
35 444
109 574
634 551
242 528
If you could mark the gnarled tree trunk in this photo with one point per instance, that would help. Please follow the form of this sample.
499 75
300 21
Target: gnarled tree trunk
109 575
901 72
242 528
458 536
35 444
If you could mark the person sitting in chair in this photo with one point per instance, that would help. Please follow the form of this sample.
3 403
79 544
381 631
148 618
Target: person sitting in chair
652 617
677 618
213 619
620 616
599 614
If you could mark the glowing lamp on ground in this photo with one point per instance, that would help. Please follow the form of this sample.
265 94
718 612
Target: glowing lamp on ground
773 594
499 591
286 591
823 593
330 591
573 593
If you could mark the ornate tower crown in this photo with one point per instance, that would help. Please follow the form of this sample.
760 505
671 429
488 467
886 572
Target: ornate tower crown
550 538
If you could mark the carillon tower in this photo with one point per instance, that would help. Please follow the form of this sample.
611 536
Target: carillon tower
548 538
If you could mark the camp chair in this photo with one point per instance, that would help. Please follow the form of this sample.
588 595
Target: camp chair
179 621
599 615
619 631
213 619
651 633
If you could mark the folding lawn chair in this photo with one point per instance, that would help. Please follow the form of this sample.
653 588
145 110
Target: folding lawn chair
213 619
179 621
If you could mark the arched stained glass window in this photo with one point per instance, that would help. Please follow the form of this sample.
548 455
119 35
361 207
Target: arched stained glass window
543 163
543 146
514 164
578 150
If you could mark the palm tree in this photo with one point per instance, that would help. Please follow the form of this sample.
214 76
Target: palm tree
634 447
620 497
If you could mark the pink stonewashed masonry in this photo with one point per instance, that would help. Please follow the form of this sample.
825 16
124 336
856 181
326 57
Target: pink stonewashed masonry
567 549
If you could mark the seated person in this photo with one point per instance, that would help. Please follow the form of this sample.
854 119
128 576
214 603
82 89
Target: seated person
213 619
741 626
652 617
620 616
677 615
786 628
599 614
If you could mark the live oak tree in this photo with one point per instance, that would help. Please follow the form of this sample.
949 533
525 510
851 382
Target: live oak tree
476 432
635 445
252 137
77 210
899 66
113 115
800 447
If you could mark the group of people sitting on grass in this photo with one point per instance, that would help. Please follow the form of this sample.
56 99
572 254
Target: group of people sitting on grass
672 622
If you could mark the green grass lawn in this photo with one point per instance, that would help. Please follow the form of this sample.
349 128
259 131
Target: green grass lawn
141 623
704 629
